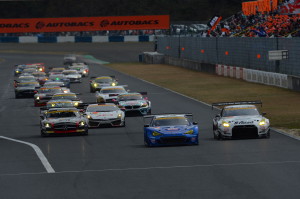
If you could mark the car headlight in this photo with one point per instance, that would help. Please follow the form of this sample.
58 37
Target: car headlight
95 84
113 84
144 105
53 105
76 103
225 124
40 69
84 72
88 117
154 133
17 71
47 125
37 97
189 132
262 122
119 115
82 123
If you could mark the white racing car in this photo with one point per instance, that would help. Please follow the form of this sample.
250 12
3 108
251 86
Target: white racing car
240 119
104 114
110 94
72 75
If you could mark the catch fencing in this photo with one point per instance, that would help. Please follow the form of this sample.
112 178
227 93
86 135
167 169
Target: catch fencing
245 52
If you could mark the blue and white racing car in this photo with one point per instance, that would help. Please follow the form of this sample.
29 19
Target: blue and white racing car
170 129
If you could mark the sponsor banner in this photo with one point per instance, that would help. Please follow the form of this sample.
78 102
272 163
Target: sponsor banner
84 24
214 22
291 7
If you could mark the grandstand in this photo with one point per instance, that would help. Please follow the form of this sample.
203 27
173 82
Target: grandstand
261 18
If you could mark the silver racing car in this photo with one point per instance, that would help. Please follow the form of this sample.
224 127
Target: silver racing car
240 119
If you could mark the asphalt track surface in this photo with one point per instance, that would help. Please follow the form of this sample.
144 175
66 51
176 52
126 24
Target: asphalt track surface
114 163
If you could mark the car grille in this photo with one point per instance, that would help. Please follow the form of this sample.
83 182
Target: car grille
65 126
132 107
245 131
173 140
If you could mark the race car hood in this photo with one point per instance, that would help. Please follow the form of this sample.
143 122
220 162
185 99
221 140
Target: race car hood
109 96
43 95
103 85
73 76
132 103
66 119
25 88
243 120
103 115
171 129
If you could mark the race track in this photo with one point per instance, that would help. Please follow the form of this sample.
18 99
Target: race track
114 163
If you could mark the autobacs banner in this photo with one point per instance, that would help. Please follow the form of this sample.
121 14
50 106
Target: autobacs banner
84 24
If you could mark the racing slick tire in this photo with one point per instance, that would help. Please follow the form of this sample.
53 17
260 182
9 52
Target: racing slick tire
44 134
92 90
86 133
268 135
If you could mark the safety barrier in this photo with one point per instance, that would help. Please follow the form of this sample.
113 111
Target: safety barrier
73 39
256 76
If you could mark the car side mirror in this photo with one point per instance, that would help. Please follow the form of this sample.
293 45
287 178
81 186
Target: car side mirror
146 125
195 123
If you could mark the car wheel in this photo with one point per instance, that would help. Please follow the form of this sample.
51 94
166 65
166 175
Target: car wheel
43 134
215 136
268 135
86 133
147 144
149 112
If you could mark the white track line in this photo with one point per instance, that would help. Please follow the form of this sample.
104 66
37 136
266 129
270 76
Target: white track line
166 167
38 151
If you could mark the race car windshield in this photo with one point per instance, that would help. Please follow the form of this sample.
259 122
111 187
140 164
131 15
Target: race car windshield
28 85
101 108
51 84
112 91
57 70
77 67
130 97
70 72
104 80
50 91
240 112
39 75
171 121
61 114
60 105
70 97
27 79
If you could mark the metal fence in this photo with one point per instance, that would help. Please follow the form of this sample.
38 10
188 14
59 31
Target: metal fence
244 52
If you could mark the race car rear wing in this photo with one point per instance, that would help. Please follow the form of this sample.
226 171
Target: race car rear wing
235 103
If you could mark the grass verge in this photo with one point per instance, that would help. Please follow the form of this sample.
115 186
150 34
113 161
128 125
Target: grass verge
282 105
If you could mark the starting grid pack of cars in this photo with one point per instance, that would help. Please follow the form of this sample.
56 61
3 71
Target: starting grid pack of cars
63 112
